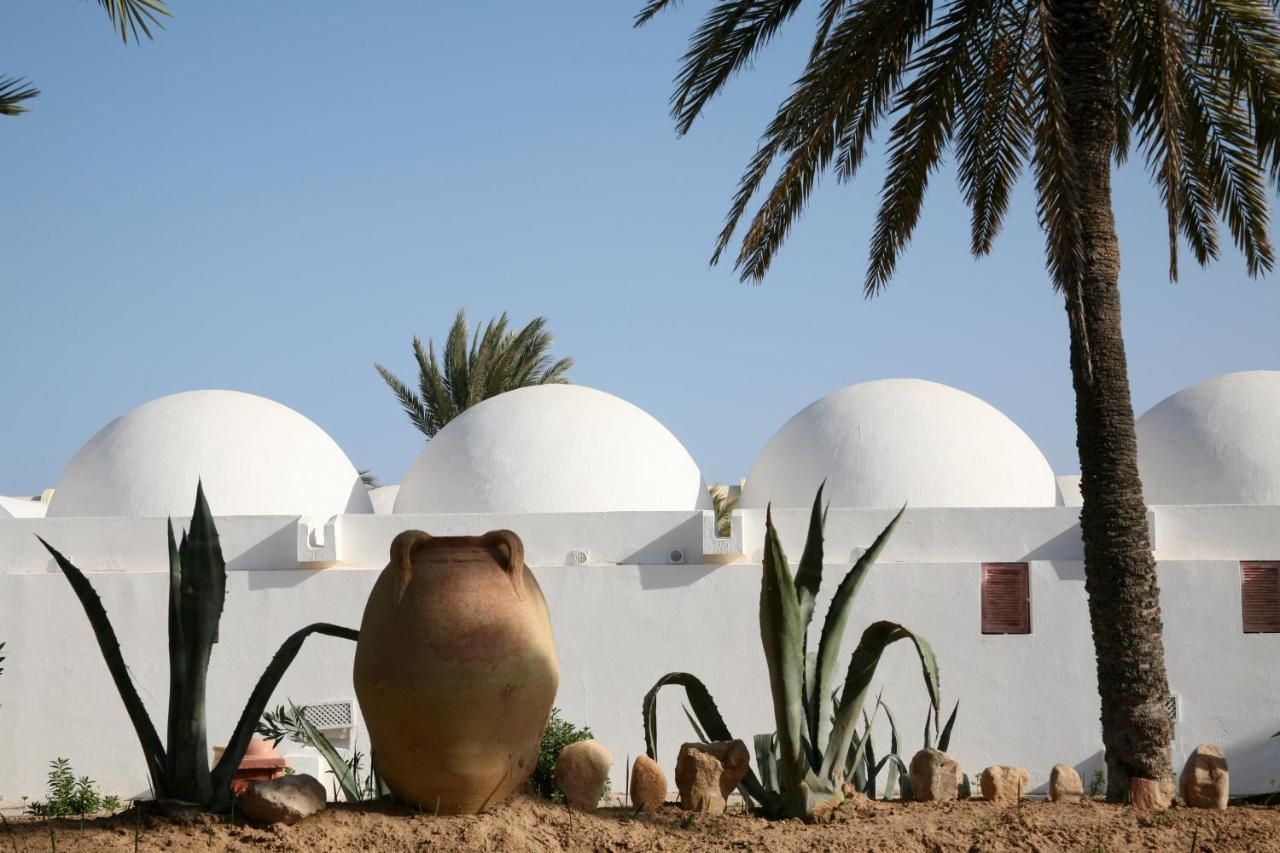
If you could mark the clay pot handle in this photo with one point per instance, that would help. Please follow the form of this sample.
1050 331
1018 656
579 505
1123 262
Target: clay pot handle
402 556
515 555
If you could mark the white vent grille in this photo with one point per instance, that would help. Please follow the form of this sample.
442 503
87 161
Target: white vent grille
331 715
1175 706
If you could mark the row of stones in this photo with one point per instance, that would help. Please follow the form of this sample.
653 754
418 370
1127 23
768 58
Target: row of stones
706 773
1204 783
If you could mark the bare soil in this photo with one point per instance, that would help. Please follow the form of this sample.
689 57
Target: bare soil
527 824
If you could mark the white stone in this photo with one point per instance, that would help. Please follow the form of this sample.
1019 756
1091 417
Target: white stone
255 457
896 441
1216 442
553 448
286 800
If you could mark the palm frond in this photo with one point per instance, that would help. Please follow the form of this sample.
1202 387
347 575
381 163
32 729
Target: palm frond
475 366
13 91
650 9
1053 160
730 34
834 106
1156 45
1240 40
994 136
135 17
409 401
919 137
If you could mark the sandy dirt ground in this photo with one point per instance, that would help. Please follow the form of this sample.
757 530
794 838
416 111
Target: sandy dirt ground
527 824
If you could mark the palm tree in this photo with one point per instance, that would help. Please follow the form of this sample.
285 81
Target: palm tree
1065 85
498 360
129 17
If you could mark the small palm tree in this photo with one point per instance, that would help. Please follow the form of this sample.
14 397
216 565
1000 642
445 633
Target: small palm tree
131 18
1065 87
497 360
723 504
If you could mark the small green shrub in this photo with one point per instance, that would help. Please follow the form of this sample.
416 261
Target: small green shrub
1096 784
71 797
559 734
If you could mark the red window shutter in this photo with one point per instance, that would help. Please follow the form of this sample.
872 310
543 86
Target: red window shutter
1006 598
1260 597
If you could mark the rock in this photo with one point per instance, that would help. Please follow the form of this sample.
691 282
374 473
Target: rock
1149 794
1004 785
581 771
285 800
1204 781
1065 785
648 784
706 773
934 776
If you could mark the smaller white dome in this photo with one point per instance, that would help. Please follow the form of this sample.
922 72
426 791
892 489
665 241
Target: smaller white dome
255 457
897 441
1216 442
553 448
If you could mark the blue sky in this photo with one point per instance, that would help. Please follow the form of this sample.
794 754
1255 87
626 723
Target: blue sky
272 196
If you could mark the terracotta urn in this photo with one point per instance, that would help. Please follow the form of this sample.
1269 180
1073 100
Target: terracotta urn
261 761
455 670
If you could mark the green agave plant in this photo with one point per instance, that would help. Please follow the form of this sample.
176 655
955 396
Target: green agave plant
197 589
806 761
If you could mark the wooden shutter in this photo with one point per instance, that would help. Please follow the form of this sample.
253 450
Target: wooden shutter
1260 597
1006 598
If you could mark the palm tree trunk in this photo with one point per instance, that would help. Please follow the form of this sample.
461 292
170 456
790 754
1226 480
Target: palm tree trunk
1120 572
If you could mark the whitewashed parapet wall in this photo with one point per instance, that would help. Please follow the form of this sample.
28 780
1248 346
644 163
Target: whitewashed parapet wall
636 595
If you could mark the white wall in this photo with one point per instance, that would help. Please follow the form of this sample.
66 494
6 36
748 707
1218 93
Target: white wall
626 617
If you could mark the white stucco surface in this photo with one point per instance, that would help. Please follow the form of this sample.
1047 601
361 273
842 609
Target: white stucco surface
255 457
623 617
1216 442
383 499
894 441
22 507
553 448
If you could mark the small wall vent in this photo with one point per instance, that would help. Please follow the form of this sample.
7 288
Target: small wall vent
1175 707
1006 598
1260 597
328 716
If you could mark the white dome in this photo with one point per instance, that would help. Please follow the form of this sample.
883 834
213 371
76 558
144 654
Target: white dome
896 441
553 448
255 456
1217 442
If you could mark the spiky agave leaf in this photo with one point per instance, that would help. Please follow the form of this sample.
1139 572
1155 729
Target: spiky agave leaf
833 628
258 699
340 767
862 667
152 749
808 581
705 710
202 576
944 739
177 641
781 634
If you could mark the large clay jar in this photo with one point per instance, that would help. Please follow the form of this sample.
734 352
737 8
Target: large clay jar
455 670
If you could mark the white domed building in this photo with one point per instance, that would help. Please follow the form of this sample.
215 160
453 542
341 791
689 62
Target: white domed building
901 441
254 456
553 449
1216 442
